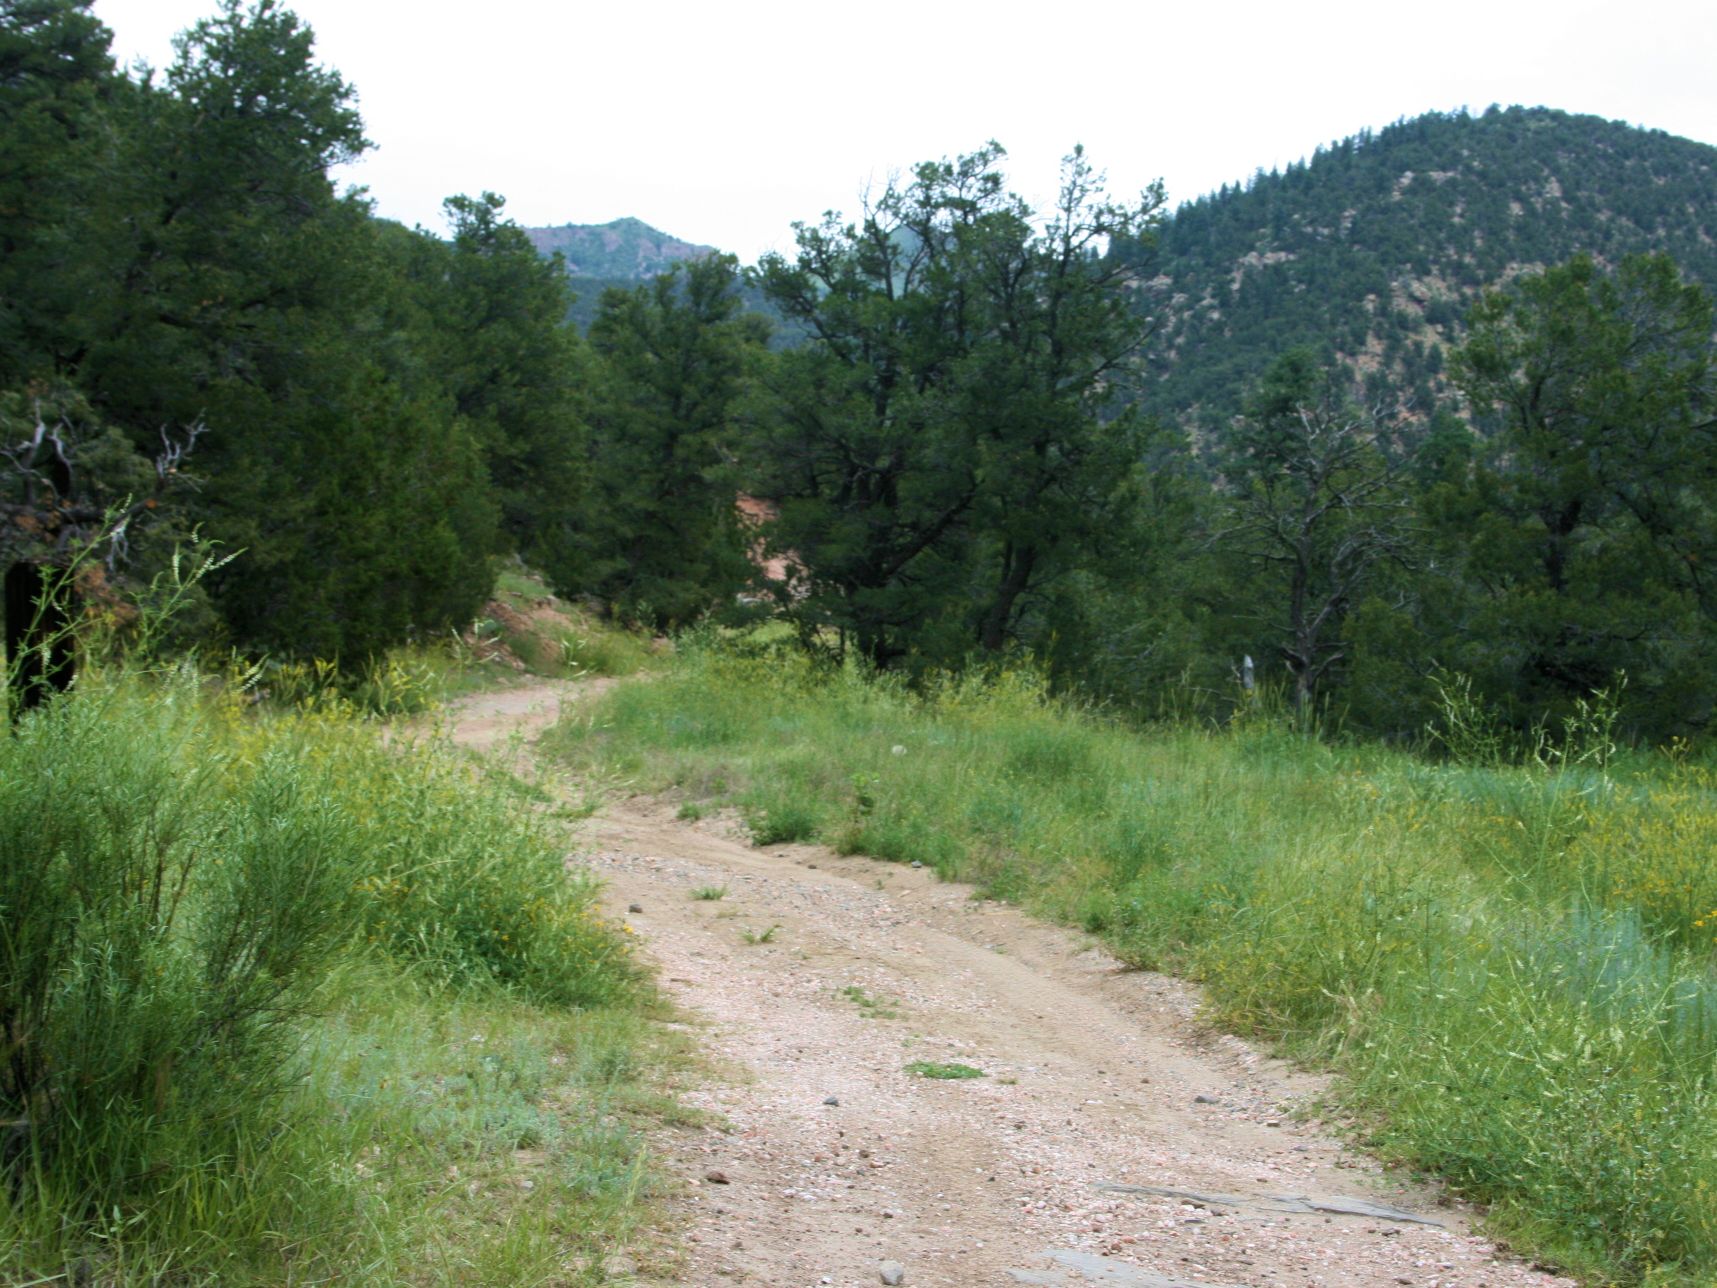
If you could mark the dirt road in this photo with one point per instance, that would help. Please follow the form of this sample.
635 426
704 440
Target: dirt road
1112 1138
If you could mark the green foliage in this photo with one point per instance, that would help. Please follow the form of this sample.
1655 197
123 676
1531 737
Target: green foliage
244 950
944 1071
941 448
513 372
383 410
1582 533
166 926
662 540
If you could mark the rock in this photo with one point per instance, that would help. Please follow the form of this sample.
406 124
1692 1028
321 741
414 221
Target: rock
831 1100
1205 1100
634 907
916 864
891 1272
717 1178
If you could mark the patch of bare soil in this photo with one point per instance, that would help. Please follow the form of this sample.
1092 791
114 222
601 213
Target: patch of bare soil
1112 1139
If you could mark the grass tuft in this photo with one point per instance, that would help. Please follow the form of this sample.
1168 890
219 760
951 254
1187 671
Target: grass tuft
950 1072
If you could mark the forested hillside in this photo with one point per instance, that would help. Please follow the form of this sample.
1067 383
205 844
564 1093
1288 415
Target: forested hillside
1373 250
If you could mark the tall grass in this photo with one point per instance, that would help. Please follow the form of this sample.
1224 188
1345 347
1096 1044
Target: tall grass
282 1004
1513 965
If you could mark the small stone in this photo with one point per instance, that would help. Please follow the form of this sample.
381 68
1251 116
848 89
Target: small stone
1205 1100
634 907
717 1177
831 1100
917 864
891 1272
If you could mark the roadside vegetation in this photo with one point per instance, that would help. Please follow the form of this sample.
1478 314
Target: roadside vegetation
284 1004
1511 960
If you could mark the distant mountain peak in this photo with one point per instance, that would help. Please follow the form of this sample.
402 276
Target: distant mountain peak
623 249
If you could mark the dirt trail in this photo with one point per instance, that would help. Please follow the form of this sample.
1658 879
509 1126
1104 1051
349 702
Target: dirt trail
1114 1139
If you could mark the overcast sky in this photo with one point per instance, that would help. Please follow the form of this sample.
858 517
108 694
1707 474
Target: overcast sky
725 122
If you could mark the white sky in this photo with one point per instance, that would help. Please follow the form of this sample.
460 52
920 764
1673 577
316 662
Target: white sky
724 123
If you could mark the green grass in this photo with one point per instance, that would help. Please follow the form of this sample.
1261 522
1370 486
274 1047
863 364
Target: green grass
760 936
945 1072
709 894
1513 966
297 1006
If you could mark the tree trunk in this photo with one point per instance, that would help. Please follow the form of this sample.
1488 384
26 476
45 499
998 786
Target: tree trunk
1017 567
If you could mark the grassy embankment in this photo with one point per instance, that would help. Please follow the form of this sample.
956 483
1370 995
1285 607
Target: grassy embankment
524 632
282 1004
1512 966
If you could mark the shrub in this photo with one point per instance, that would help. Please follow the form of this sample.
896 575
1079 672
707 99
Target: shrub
162 927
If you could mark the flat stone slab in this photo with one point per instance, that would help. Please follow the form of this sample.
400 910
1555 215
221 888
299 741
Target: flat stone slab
1100 1270
1335 1205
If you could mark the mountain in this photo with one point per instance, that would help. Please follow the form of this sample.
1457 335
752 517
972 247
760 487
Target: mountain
620 254
624 250
1373 249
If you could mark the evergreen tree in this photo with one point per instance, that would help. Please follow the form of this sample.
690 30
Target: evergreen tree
661 538
939 446
513 369
1053 342
1589 523
195 265
57 81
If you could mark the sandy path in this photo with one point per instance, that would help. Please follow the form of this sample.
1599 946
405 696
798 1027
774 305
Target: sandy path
831 1160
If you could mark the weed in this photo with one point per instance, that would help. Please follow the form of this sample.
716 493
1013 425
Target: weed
690 812
872 1008
946 1072
710 893
759 936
